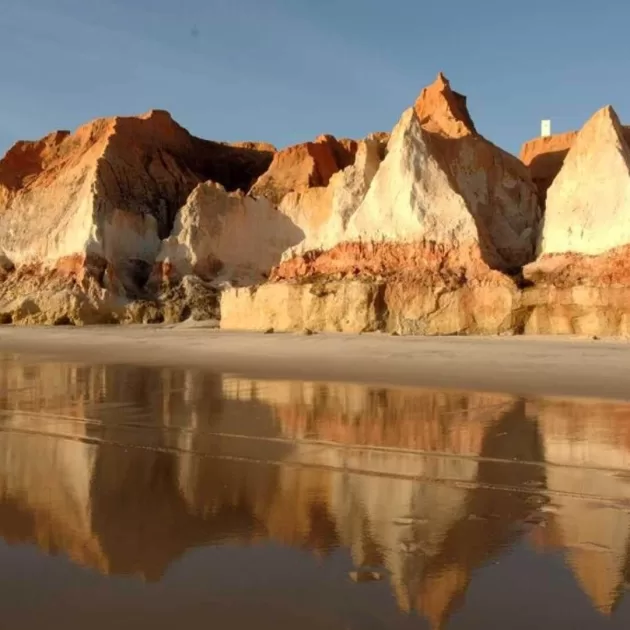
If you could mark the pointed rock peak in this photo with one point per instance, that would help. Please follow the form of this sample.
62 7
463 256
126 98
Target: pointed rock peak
602 130
443 111
588 203
442 81
605 118
325 138
408 121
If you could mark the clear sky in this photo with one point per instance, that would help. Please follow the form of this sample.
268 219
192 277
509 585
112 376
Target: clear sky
285 71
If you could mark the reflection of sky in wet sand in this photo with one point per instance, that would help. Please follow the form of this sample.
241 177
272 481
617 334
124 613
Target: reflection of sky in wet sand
128 470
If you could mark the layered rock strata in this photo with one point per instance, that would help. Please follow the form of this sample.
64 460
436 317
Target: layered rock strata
428 244
581 278
431 229
446 268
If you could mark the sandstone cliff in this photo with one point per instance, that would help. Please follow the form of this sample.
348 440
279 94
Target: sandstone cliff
447 219
442 188
424 237
589 200
431 229
544 156
581 279
83 214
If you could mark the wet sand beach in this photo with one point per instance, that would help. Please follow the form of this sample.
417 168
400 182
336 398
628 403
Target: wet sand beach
552 366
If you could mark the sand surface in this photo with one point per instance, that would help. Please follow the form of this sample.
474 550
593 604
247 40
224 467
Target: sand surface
521 365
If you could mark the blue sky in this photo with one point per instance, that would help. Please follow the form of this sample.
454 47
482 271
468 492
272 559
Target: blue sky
287 70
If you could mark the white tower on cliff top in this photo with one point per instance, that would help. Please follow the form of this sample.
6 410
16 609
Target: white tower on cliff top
545 128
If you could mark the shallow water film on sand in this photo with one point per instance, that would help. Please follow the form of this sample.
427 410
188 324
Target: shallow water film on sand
164 497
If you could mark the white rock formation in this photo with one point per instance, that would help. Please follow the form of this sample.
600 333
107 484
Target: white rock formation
452 191
237 236
588 204
411 197
323 213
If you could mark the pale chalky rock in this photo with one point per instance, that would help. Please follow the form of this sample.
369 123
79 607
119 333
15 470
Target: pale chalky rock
402 205
588 204
323 213
109 190
231 236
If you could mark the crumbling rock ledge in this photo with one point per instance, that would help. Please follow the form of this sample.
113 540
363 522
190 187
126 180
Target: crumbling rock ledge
355 306
359 306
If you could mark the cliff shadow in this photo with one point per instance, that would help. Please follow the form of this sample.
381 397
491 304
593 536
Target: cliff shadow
544 168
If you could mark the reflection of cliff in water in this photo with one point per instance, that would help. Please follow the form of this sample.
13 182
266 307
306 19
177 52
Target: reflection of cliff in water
123 469
492 515
587 445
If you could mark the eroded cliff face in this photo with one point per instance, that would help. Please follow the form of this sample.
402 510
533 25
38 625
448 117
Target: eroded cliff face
588 203
431 229
441 187
453 236
580 281
220 235
424 244
84 214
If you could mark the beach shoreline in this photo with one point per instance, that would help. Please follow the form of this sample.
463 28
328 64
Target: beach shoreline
545 366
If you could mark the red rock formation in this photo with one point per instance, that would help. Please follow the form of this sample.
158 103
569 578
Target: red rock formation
154 134
427 262
304 166
611 269
443 111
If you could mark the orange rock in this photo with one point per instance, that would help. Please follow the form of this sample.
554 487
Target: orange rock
611 269
443 111
427 262
130 142
303 166
255 146
544 157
